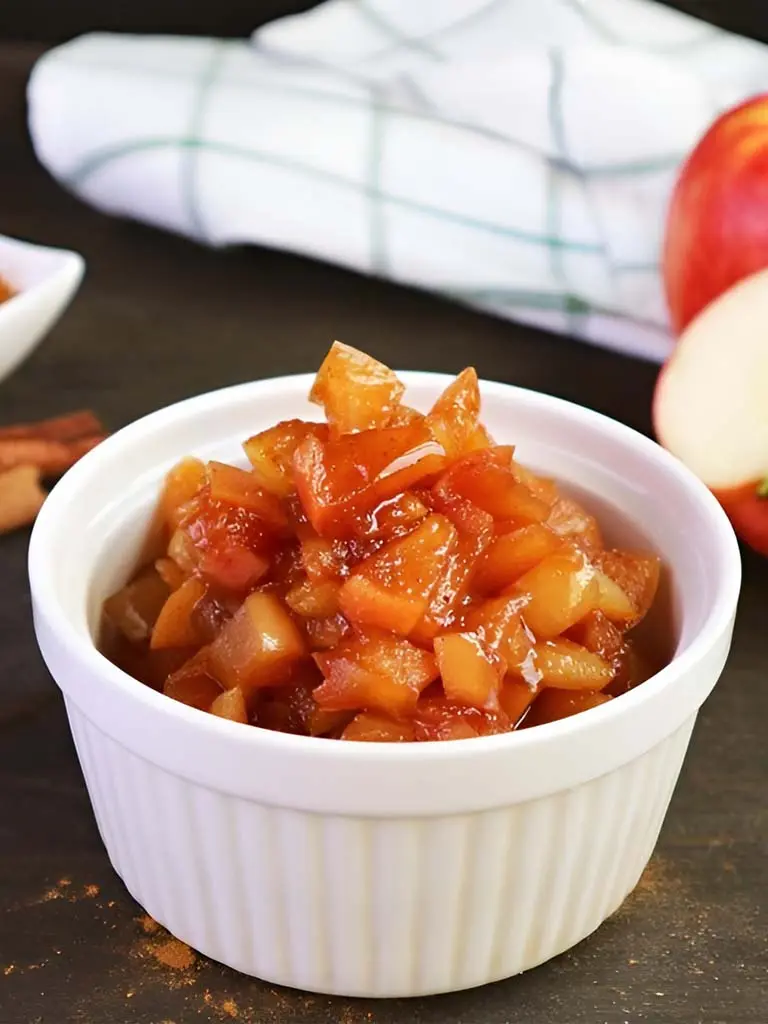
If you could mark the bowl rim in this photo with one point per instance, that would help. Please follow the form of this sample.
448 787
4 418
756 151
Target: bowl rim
717 623
63 262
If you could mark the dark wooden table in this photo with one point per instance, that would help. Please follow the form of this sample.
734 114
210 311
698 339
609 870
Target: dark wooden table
159 319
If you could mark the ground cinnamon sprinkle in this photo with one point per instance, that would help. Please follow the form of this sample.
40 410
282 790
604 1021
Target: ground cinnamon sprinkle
224 1008
64 890
349 1015
657 879
175 954
149 925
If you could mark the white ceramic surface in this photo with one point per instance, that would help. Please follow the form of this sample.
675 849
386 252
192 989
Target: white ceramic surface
44 279
369 869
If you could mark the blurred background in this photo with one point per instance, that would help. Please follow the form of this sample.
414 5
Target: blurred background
57 20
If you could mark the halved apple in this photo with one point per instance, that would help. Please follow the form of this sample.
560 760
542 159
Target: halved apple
710 407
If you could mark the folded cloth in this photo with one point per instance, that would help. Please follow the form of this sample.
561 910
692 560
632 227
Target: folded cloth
516 155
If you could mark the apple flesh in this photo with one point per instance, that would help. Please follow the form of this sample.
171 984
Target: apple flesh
717 224
710 406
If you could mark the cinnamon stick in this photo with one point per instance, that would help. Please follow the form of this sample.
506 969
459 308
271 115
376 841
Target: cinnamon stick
69 427
21 497
52 458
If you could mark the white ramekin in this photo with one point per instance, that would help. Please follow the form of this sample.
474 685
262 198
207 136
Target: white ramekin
369 869
44 280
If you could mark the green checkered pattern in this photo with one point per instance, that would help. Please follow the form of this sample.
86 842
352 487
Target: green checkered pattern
386 85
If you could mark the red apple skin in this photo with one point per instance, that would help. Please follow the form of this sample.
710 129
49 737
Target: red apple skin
717 223
747 510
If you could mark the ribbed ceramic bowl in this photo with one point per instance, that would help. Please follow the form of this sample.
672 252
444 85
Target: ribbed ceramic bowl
44 280
369 869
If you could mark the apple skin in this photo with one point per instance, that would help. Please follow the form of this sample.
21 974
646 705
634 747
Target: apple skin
717 222
747 509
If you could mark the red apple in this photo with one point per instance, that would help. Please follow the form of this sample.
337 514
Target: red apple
717 224
710 407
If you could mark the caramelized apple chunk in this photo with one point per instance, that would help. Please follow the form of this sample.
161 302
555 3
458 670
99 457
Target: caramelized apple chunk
271 453
390 576
453 418
346 477
391 589
374 671
258 646
356 391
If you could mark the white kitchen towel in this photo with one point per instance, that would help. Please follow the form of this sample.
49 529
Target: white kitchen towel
516 155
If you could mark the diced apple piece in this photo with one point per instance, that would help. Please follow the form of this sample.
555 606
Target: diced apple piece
231 704
259 646
453 417
181 485
376 672
613 602
464 515
233 568
212 611
499 624
403 415
542 487
287 569
572 522
512 554
170 573
233 486
134 609
373 728
175 625
452 588
356 390
471 672
323 634
568 666
598 634
182 551
391 589
561 589
392 517
314 600
479 438
220 525
290 707
437 718
636 574
485 478
515 698
271 452
325 723
552 704
193 683
342 479
323 559
368 603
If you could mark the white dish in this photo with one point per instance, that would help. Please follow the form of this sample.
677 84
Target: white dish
44 280
370 869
